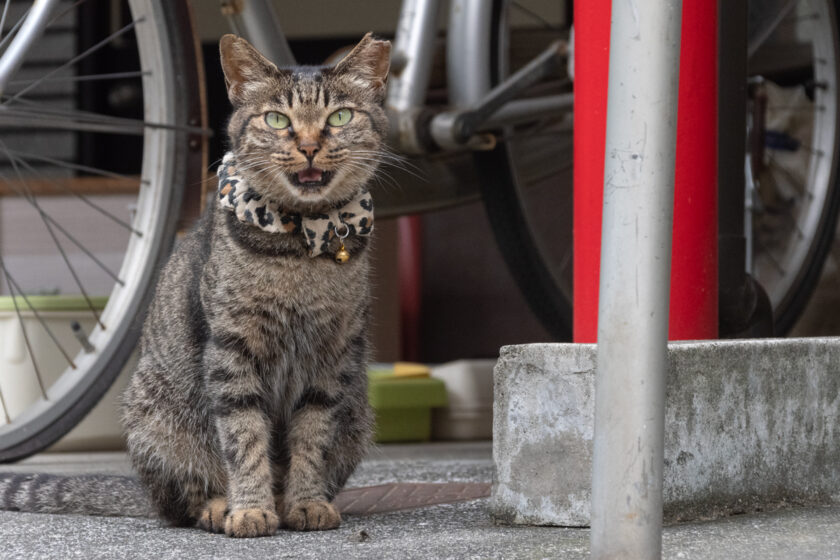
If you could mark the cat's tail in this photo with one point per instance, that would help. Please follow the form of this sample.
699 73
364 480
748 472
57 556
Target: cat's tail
110 495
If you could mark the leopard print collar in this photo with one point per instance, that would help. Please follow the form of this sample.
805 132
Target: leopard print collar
318 229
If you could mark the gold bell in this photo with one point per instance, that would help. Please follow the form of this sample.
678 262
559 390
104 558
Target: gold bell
342 256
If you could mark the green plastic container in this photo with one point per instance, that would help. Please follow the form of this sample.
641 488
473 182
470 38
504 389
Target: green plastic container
403 406
52 303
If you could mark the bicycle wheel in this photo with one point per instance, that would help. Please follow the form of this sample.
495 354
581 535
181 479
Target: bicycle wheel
527 189
793 64
100 131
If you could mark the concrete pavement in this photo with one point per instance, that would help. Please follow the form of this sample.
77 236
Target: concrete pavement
461 530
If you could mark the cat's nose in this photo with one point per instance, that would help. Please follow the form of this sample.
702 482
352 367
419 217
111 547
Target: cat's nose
309 149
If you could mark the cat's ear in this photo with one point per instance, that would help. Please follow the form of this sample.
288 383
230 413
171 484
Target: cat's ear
369 60
242 65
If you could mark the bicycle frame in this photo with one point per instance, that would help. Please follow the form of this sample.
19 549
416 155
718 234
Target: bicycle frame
475 106
32 27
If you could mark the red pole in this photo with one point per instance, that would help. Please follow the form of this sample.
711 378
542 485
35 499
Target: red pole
410 273
693 303
592 62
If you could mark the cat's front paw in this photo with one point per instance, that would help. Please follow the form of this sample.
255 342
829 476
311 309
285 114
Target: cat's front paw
212 517
312 516
251 522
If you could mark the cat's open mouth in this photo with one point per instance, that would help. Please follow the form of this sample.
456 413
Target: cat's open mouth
311 177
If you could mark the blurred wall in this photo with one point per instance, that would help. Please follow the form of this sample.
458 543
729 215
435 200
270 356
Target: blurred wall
340 18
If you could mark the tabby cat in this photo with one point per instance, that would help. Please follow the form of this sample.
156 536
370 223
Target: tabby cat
249 404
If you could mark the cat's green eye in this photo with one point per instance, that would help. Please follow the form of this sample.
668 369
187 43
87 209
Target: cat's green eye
277 120
340 117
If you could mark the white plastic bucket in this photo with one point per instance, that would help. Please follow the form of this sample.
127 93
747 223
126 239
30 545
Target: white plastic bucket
469 415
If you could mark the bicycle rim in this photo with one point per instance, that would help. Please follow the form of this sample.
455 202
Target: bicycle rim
96 254
795 197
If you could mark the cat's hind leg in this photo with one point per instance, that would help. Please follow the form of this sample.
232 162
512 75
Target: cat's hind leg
180 479
213 515
178 501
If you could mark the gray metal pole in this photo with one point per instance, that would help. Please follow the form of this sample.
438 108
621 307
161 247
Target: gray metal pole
257 22
635 279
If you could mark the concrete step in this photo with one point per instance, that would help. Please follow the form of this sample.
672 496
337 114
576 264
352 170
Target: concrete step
750 425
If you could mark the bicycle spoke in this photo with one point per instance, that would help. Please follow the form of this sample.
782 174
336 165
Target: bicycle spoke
61 14
20 21
44 116
13 30
535 16
63 124
793 179
76 166
5 409
80 196
25 335
66 233
75 59
794 20
814 151
87 77
766 253
13 283
780 19
806 108
3 17
43 109
54 238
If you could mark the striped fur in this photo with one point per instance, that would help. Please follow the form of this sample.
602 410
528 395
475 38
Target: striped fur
249 403
89 494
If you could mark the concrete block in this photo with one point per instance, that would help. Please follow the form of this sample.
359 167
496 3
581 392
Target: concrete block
749 425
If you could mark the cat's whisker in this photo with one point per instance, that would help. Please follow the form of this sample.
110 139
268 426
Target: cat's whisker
378 176
261 168
246 167
391 156
393 162
384 155
212 166
277 175
250 161
362 160
400 167
365 171
350 170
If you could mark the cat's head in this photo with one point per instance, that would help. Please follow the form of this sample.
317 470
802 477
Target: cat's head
308 137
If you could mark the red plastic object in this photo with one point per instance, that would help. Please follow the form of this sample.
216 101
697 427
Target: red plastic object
410 273
694 298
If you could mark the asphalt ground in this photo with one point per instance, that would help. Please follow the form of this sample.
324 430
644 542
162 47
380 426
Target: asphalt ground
457 530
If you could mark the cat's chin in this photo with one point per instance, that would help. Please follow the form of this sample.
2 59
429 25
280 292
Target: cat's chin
310 199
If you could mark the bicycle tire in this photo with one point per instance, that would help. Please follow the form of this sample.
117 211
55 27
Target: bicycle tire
183 166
